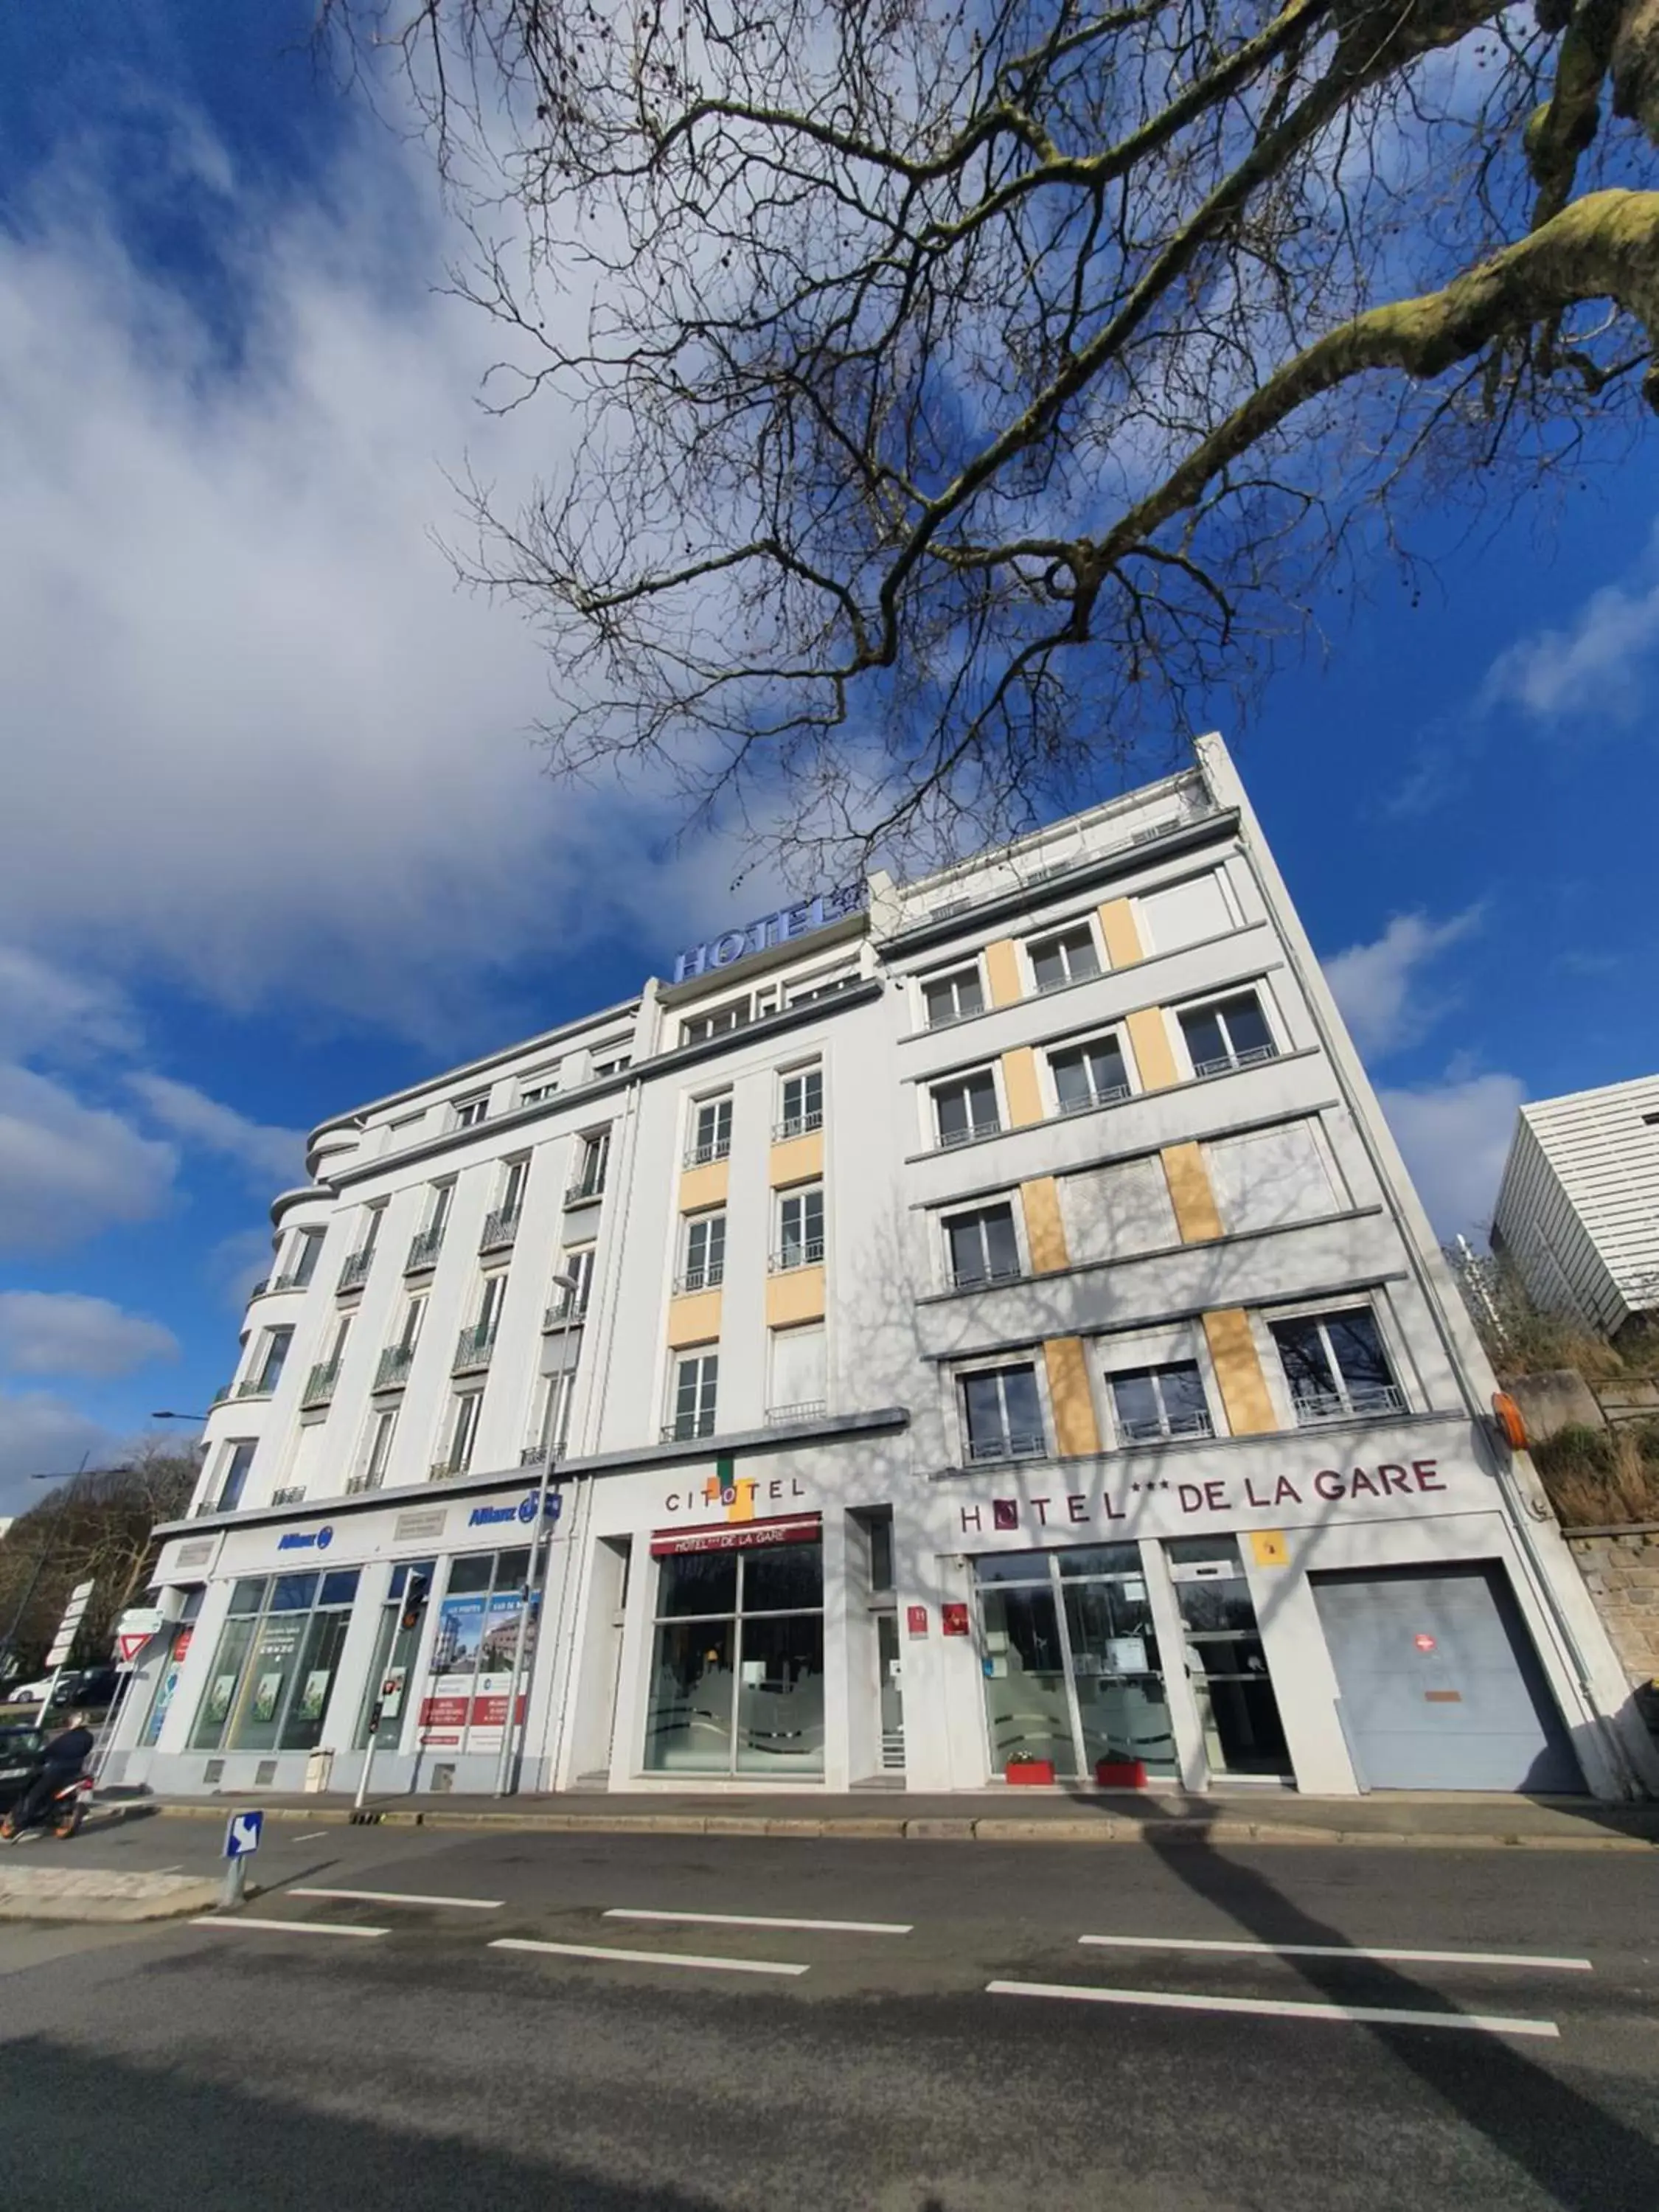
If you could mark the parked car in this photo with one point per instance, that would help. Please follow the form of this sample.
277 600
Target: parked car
93 1688
21 1750
29 1694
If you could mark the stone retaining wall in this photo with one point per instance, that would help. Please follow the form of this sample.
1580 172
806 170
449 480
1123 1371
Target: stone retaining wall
1620 1567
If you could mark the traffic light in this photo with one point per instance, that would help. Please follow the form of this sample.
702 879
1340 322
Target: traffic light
414 1590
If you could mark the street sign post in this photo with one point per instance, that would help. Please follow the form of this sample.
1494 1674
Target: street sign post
242 1832
63 1643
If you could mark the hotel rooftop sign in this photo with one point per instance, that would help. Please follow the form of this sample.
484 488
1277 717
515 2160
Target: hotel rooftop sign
789 922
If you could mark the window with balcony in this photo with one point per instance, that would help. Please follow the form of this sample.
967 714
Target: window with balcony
718 1021
326 1373
801 1227
1002 1413
801 1102
1089 1075
376 1456
268 1366
1336 1366
429 1241
301 1263
551 1430
981 1246
469 1112
1067 957
1229 1033
232 1475
966 1109
478 1340
711 1131
593 1159
953 998
1154 1404
797 1386
461 1430
696 1382
502 1224
704 1266
354 1272
570 1306
399 1358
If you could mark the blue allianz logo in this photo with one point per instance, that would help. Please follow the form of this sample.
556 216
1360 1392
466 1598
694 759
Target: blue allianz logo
305 1540
526 1509
486 1516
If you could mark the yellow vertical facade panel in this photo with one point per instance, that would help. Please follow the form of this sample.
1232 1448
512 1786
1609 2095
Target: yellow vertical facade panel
1190 1193
797 1159
796 1295
1238 1373
1019 1087
703 1186
1076 1429
1045 1232
694 1319
1002 972
1120 933
1149 1041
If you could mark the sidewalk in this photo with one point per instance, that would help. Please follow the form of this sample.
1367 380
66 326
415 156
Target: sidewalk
1441 1820
61 1892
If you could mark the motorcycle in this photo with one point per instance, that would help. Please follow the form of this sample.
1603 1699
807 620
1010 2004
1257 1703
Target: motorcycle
63 1812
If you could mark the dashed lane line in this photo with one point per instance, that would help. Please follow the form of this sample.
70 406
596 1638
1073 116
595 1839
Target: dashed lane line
648 1958
1343 1950
399 1897
286 1927
1278 2009
762 1920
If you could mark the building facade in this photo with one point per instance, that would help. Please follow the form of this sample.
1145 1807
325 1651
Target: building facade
985 1333
1578 1206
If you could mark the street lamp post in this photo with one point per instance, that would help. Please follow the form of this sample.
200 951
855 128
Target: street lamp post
535 1590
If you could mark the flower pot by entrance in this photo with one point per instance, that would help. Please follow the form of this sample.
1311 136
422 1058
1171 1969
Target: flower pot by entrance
1121 1773
1029 1772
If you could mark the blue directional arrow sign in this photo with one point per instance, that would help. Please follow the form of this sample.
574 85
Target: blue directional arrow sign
242 1834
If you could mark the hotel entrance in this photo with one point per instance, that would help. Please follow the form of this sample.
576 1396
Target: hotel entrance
1071 1662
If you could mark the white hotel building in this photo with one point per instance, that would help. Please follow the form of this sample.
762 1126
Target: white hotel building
1003 1342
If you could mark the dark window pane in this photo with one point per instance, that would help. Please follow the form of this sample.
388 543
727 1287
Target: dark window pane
781 1695
1246 1024
1101 1559
688 1726
470 1573
782 1577
697 1582
983 1398
1303 1355
340 1588
1183 1393
1357 1344
1020 1388
1011 1567
1204 1039
293 1593
1135 1397
248 1595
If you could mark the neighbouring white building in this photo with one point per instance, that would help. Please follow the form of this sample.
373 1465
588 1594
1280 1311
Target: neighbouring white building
1002 1340
1578 1207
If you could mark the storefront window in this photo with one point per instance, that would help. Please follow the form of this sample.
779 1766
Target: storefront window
394 1655
275 1666
1237 1709
1071 1661
167 1682
464 1705
737 1673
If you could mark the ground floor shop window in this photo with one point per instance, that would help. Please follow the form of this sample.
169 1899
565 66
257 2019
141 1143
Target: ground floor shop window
395 1647
166 1680
272 1674
1071 1669
1237 1710
470 1677
736 1677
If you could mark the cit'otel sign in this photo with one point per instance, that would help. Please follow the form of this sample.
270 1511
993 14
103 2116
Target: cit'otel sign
789 922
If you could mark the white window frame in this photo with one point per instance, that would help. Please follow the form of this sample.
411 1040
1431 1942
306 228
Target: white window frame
806 1408
698 1154
1080 925
1123 1351
710 1274
935 1139
973 964
222 1474
798 1195
996 1363
956 1211
591 1145
822 983
1201 1002
575 1260
381 1427
266 1345
440 1206
708 1021
462 1114
809 1119
685 1356
1111 1033
1237 918
459 1434
1407 1381
515 1176
538 1084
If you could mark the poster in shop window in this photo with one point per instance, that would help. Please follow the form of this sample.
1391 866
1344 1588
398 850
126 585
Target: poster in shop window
494 1676
465 1705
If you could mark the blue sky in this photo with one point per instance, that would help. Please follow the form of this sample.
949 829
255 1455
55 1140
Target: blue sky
273 837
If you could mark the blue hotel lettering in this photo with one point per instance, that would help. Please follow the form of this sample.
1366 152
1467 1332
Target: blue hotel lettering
771 929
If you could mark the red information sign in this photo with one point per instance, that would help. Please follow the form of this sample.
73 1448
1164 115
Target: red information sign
953 1619
916 1619
1423 1643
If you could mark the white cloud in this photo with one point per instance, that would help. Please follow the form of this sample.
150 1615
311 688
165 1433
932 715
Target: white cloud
41 1434
1380 986
68 1169
66 1333
271 1154
1594 667
1455 1137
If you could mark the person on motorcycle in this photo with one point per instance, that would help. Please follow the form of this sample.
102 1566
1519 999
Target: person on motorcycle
61 1762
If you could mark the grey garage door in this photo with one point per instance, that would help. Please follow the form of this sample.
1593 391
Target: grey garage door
1441 1688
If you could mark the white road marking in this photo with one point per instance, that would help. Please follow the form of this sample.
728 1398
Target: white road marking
288 1926
310 1836
1344 1951
400 1896
762 1920
648 1958
1375 2015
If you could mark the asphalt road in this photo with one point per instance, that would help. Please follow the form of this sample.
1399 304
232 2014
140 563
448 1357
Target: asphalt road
200 2067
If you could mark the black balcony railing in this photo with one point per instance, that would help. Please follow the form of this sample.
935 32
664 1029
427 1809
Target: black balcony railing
685 1426
359 1483
290 1495
500 1229
565 1312
355 1270
319 1384
395 1362
473 1348
446 1470
423 1251
585 1188
257 1386
259 1289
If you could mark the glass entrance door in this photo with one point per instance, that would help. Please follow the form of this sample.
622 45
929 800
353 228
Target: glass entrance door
1225 1664
1071 1661
890 1692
